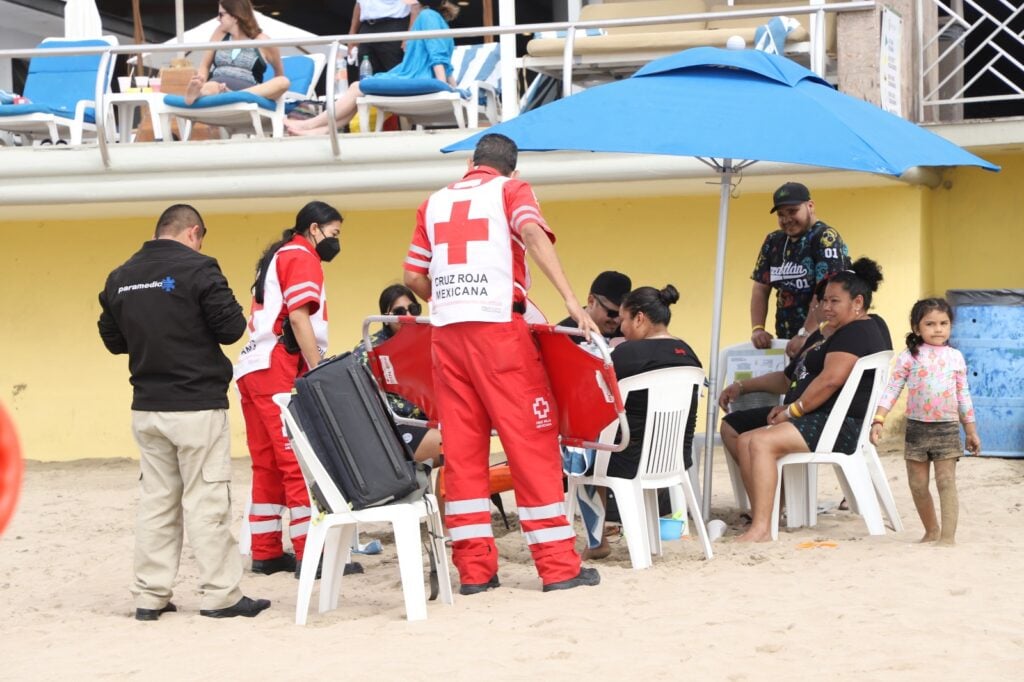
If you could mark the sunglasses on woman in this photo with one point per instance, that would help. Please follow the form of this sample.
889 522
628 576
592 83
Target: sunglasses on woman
413 309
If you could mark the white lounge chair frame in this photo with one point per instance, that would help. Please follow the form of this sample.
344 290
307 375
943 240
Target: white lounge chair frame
669 397
860 474
443 108
242 117
330 535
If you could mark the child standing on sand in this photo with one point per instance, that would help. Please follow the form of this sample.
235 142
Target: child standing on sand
937 400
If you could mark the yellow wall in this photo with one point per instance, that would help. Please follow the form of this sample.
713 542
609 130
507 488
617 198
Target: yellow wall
70 398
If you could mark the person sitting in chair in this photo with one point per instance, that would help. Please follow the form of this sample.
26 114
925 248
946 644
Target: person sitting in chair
424 58
240 68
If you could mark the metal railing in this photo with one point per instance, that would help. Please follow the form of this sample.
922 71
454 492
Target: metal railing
951 69
505 33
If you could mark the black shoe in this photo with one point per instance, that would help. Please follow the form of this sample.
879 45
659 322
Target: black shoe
154 614
245 607
285 562
467 589
350 569
587 576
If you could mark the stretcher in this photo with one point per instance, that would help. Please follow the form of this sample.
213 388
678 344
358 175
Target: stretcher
583 384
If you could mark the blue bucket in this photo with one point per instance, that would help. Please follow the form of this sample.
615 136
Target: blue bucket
672 529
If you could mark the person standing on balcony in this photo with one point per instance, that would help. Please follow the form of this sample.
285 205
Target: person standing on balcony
170 309
792 260
468 258
382 16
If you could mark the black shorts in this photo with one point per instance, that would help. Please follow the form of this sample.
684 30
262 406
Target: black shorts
412 435
812 424
748 420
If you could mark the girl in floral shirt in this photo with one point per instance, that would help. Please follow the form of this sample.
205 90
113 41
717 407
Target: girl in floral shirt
938 400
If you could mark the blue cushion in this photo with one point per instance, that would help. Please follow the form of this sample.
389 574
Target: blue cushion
298 68
61 81
403 87
23 109
223 98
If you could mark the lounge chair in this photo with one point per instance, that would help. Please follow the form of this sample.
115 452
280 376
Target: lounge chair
244 112
60 90
427 102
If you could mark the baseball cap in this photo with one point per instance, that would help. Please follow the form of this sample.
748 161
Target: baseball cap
612 285
790 194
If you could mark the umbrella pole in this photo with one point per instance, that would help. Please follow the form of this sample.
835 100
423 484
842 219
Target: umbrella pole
726 172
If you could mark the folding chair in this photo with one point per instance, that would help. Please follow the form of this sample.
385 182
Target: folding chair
331 532
670 393
860 474
427 102
244 112
60 90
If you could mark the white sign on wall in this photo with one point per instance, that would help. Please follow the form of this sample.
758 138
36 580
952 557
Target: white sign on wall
889 62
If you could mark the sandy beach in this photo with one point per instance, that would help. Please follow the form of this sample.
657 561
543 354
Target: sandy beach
869 608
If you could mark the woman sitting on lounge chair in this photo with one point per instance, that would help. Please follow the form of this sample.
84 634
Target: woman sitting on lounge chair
424 58
241 68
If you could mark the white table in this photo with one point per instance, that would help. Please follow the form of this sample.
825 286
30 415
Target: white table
126 104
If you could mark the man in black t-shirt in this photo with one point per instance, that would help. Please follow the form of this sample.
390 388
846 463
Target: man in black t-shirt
792 260
606 293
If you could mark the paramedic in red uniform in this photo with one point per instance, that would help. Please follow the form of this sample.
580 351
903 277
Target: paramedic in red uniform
468 258
287 336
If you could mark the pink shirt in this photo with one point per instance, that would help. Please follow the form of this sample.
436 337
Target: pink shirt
936 383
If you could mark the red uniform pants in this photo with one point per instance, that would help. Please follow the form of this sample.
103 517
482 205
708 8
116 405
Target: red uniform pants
277 482
488 374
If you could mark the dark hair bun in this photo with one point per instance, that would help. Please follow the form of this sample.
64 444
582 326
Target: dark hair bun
668 295
869 272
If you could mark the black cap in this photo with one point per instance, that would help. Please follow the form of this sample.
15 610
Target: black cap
790 194
612 285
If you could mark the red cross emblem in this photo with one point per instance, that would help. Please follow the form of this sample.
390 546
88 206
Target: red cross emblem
458 231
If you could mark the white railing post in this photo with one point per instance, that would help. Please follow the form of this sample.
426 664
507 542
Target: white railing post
507 48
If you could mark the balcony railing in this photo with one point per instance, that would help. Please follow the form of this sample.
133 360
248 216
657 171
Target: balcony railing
971 54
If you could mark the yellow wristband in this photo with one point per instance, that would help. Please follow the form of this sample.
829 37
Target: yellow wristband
794 411
757 327
878 420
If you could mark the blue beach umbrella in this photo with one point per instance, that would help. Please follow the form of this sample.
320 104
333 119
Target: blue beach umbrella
731 109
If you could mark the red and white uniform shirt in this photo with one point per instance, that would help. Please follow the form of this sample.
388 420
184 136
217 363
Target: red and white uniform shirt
295 277
468 240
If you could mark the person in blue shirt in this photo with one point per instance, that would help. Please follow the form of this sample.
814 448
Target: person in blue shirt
425 58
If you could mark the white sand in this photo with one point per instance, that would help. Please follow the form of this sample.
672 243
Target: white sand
871 608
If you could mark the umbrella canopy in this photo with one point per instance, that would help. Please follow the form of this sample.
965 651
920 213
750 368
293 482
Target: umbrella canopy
82 19
730 108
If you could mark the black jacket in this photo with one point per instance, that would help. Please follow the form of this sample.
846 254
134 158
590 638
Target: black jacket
169 308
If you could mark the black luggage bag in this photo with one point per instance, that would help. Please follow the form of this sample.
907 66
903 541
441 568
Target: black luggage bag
352 434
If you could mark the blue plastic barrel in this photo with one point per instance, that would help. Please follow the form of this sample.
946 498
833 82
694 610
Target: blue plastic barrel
989 330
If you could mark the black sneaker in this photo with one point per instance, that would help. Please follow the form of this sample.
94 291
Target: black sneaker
467 589
154 614
285 562
245 607
350 569
587 576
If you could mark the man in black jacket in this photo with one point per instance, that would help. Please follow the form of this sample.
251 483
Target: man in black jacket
170 308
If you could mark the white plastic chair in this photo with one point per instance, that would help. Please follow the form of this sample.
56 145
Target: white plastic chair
243 111
860 474
330 535
477 71
670 394
747 361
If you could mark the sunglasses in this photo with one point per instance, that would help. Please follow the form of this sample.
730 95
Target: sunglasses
221 15
612 313
414 309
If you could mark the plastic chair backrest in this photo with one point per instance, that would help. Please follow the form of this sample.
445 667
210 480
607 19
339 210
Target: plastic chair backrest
480 62
877 362
308 461
303 70
670 393
61 81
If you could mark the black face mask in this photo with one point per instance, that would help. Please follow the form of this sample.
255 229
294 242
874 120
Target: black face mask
327 248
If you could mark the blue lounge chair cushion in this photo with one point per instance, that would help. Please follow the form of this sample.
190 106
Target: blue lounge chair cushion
405 87
208 101
23 109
